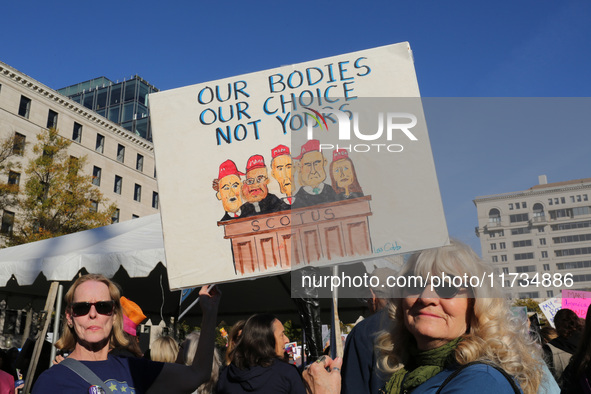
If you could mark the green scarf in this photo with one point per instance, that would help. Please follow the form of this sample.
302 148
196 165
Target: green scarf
423 365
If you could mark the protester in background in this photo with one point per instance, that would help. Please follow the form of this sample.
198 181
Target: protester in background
569 329
94 323
234 336
257 361
576 378
360 371
187 351
548 333
164 349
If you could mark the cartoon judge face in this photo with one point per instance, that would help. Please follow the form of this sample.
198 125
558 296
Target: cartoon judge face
343 173
228 186
229 193
281 167
311 168
254 188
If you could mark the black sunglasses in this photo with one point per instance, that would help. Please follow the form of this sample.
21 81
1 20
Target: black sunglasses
415 287
102 308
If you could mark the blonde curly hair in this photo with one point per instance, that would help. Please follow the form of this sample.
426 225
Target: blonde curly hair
493 333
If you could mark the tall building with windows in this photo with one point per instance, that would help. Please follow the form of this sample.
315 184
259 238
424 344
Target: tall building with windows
120 161
545 229
124 103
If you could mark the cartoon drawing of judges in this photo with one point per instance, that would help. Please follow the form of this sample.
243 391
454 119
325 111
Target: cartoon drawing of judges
343 176
311 175
227 186
281 169
255 191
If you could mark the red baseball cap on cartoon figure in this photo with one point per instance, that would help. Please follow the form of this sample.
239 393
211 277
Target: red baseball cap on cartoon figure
255 161
310 146
339 154
279 150
228 168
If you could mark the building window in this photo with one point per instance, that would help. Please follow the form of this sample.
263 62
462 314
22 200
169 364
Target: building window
517 206
137 193
155 200
523 256
120 153
562 200
502 245
18 147
505 270
520 217
93 206
544 254
546 267
522 243
510 206
24 107
115 217
100 143
77 132
495 259
550 293
494 216
118 184
524 205
493 246
542 241
14 178
96 176
7 223
139 163
541 229
52 119
504 257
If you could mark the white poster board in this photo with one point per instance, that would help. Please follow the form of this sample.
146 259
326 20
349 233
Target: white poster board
550 307
218 145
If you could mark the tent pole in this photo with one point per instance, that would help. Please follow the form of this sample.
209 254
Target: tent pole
56 323
49 303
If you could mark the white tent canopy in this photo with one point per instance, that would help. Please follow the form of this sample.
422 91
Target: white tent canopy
136 245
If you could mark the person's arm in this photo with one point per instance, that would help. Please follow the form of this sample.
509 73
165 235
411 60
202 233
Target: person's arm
180 378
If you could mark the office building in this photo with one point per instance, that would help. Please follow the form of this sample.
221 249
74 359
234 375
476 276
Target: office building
121 162
539 233
124 103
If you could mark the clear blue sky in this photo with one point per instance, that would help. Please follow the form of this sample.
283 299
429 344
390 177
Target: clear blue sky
522 48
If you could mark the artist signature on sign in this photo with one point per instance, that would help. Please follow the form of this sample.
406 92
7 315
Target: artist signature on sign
388 247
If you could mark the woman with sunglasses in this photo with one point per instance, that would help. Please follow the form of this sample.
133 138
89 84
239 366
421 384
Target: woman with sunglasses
439 329
94 324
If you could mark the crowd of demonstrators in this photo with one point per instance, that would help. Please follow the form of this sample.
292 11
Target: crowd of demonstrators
94 325
425 339
257 361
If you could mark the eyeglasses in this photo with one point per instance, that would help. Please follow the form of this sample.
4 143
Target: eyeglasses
258 179
102 308
416 286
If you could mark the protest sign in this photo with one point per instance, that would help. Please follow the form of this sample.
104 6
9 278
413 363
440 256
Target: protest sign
312 164
577 301
550 307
